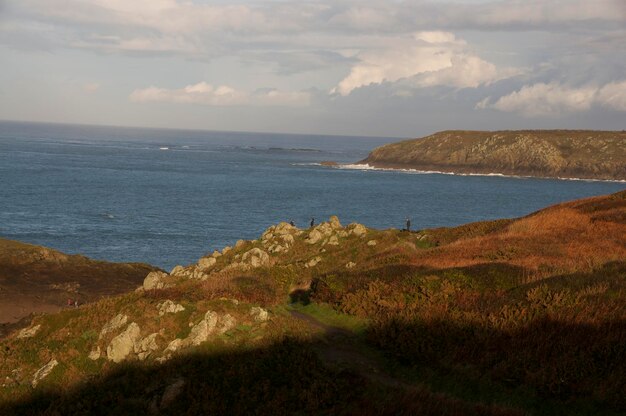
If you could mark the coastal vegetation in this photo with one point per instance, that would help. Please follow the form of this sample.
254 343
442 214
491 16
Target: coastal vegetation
588 154
506 317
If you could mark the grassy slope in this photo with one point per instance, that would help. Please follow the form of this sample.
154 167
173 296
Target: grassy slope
488 318
544 153
35 278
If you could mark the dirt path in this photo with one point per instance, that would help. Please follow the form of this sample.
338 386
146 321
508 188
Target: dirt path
341 348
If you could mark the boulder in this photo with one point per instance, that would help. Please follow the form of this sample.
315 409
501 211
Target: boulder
216 254
371 243
313 262
29 332
226 323
259 314
226 250
95 354
201 331
177 271
174 346
358 230
122 345
287 239
314 237
169 307
145 347
239 244
116 322
256 257
206 263
333 240
43 372
155 280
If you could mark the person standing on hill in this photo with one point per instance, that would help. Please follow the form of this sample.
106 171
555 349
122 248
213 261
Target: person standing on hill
293 224
312 222
408 224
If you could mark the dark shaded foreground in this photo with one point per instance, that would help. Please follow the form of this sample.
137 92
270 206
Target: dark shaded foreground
293 377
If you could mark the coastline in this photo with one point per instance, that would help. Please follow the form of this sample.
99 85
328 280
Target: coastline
462 172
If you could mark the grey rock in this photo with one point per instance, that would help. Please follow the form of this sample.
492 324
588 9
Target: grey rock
43 372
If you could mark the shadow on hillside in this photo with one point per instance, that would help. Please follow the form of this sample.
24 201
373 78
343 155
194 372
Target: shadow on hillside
552 363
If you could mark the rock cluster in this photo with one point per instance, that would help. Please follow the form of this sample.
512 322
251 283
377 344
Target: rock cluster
259 314
130 341
279 238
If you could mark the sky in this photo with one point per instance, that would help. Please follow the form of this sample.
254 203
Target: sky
369 68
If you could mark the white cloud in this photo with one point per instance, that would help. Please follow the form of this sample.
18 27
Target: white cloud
207 94
613 95
553 99
428 59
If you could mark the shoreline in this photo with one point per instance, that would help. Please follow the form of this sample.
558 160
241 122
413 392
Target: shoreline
366 167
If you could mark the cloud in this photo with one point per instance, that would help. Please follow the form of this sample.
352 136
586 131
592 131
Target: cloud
206 94
427 59
554 99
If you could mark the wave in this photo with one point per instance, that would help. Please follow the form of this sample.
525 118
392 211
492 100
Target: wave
367 167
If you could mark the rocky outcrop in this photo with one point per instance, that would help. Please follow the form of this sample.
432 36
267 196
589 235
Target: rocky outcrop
144 347
356 229
43 372
169 307
122 345
155 280
544 153
206 263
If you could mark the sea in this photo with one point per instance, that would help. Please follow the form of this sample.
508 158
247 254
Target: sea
168 197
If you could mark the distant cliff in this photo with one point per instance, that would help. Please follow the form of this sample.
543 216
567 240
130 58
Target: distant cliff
543 153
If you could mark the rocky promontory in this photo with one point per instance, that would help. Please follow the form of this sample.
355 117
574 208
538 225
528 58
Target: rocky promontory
584 154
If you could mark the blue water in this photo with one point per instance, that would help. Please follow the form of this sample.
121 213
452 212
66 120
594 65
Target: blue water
114 194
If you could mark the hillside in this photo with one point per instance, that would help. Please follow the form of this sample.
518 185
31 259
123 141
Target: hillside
584 154
38 279
507 317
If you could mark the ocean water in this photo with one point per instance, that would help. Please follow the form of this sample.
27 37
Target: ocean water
167 197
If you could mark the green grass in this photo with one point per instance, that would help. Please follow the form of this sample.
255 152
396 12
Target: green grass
329 316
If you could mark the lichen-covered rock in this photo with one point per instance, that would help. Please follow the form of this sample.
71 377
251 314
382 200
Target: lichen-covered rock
116 322
350 265
216 254
29 332
201 331
43 372
206 263
256 258
333 241
371 243
95 354
313 262
122 345
226 323
146 346
226 249
174 346
259 314
177 270
314 237
155 280
239 244
169 307
358 230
